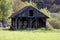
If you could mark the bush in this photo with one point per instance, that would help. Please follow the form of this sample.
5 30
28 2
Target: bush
55 23
49 26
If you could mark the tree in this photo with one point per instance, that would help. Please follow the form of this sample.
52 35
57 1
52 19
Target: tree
19 4
5 6
46 12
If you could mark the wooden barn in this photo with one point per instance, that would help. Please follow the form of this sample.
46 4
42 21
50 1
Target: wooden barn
28 17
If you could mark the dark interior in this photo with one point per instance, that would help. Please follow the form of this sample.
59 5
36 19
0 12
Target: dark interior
30 12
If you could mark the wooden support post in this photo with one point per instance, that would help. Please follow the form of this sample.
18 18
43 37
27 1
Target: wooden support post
16 24
19 23
13 22
30 23
22 24
36 23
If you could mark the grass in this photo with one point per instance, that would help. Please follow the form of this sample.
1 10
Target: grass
29 34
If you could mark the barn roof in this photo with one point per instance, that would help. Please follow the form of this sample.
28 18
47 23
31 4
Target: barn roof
23 9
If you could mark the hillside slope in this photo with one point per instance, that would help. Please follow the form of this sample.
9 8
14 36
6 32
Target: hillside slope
52 5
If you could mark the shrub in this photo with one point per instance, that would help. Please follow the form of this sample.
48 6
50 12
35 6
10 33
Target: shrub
49 26
55 23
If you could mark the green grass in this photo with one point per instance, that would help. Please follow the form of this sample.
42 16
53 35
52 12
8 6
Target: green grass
30 34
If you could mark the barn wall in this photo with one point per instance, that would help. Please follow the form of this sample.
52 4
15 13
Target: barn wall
36 13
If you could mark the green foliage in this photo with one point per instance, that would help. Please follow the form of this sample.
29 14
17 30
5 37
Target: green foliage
56 15
55 20
31 3
49 26
23 4
55 23
46 12
5 6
